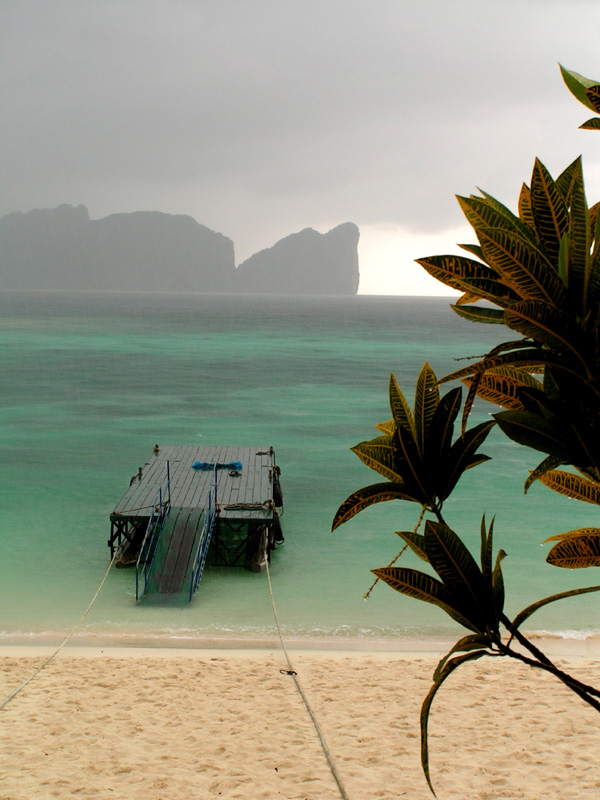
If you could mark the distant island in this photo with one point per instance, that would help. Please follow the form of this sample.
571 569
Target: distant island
62 248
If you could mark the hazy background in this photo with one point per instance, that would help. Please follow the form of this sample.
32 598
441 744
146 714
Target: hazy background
264 117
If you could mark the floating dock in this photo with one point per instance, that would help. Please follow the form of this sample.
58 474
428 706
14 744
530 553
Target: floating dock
187 505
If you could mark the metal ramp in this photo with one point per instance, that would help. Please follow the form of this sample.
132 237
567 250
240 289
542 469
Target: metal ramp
173 554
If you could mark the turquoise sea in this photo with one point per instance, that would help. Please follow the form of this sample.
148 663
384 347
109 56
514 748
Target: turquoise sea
90 382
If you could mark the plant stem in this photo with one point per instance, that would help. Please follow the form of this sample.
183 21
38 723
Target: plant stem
543 662
573 684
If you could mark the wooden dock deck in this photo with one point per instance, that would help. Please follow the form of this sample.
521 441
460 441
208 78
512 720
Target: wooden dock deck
246 502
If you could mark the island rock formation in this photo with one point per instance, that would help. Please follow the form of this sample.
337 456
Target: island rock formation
148 251
305 263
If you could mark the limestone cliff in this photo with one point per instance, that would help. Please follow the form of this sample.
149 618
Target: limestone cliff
148 251
305 263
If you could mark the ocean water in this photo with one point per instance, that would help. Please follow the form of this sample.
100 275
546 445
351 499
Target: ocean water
91 381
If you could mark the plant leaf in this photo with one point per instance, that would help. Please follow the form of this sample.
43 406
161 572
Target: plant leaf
460 457
498 585
491 316
545 466
550 213
444 672
378 455
592 93
579 239
522 266
459 573
388 427
560 537
592 124
468 276
474 249
416 543
527 612
537 320
533 431
501 386
474 641
362 498
417 584
427 397
401 412
577 85
572 485
441 429
525 212
576 552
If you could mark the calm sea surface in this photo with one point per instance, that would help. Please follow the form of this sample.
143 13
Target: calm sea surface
91 381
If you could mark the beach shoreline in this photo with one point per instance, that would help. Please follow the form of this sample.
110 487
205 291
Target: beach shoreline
582 645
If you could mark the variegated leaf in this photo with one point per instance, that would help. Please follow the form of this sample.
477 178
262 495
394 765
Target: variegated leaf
468 276
461 456
527 612
547 325
525 213
388 427
467 297
416 542
579 240
550 215
576 552
592 93
594 220
572 485
457 568
498 390
474 249
523 358
523 267
564 182
441 428
377 454
427 397
363 498
476 314
592 124
546 466
417 584
401 412
487 212
561 537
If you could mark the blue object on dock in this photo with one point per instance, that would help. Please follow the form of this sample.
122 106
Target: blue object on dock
237 465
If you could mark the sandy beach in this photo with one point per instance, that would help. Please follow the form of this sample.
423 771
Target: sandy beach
171 724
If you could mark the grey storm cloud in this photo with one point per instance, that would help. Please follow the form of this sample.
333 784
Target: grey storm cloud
263 117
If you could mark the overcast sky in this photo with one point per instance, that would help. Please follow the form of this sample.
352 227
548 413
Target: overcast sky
263 117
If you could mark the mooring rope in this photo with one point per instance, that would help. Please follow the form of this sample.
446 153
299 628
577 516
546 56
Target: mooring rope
63 643
291 671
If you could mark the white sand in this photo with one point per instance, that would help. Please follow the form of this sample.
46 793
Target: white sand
160 724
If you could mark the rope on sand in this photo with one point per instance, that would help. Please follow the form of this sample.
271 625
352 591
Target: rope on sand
291 671
64 642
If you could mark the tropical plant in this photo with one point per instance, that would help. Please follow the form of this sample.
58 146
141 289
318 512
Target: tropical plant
537 272
423 465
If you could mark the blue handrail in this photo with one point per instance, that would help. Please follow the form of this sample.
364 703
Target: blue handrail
148 550
208 522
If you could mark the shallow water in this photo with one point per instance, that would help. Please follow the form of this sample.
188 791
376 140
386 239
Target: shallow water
92 381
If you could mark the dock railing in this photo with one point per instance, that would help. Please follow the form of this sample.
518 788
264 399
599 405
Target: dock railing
208 522
143 565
